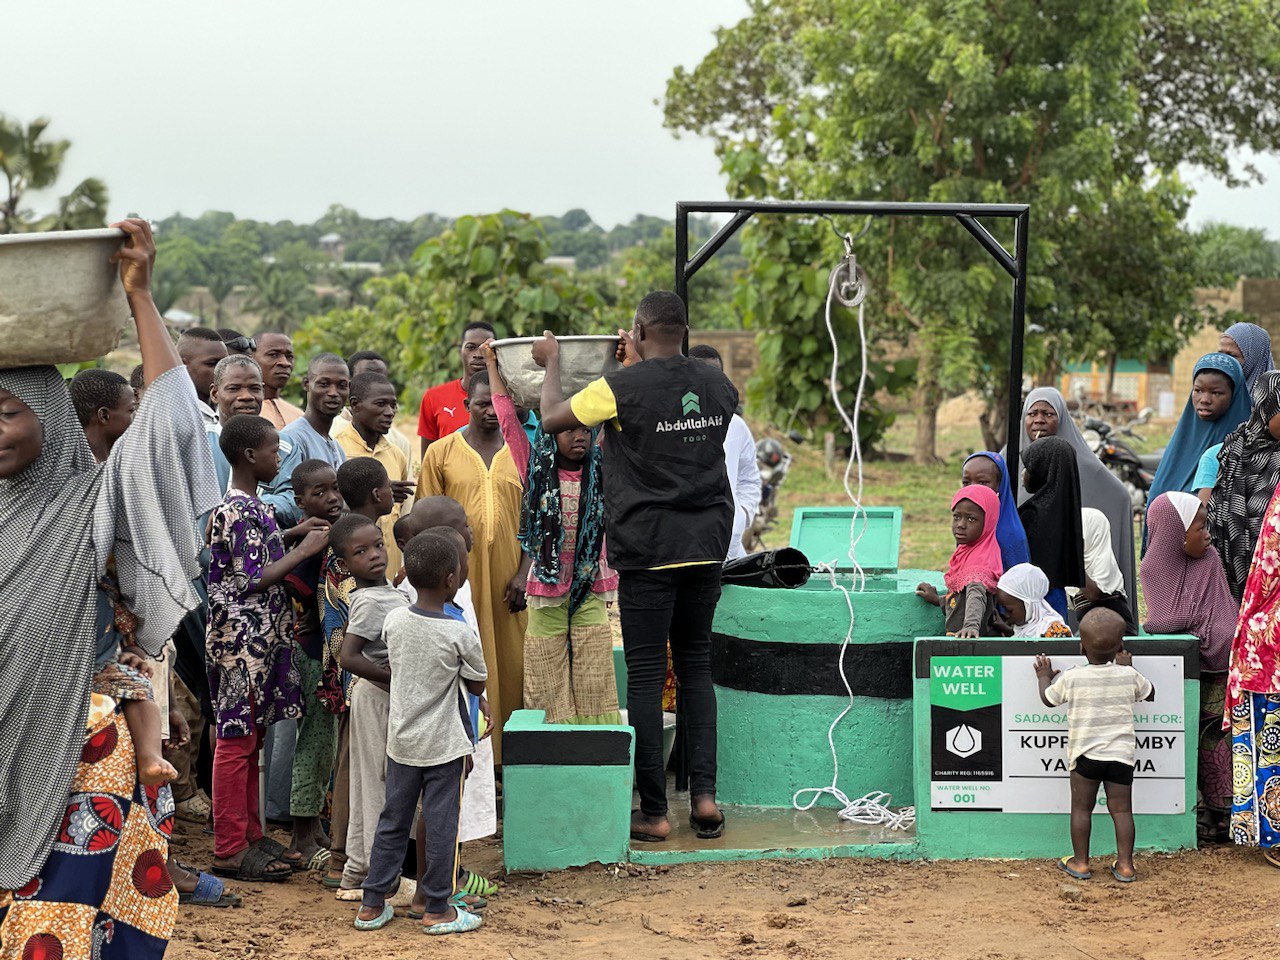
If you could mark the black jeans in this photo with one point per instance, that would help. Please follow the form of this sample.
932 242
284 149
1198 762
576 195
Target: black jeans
656 605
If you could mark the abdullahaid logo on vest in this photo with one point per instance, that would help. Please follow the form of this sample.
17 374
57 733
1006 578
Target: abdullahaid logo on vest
691 410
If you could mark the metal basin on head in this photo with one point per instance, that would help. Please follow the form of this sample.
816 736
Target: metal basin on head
60 297
582 359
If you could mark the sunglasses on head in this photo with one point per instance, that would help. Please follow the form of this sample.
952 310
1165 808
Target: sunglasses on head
242 344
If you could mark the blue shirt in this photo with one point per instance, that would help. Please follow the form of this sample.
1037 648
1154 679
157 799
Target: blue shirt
299 441
1207 472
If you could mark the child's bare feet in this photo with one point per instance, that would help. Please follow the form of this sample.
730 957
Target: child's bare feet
153 771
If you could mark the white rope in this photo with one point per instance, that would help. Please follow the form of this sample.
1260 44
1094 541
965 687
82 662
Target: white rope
848 286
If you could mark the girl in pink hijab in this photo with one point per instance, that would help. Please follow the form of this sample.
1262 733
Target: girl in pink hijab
975 566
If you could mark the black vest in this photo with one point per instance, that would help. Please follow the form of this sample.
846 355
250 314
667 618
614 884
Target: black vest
667 495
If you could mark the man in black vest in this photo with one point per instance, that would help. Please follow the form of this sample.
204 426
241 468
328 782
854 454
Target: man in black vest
669 514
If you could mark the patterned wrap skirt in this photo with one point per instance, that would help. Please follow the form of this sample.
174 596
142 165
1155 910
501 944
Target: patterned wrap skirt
105 892
1255 770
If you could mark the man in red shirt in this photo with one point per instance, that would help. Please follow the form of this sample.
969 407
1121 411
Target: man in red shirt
444 408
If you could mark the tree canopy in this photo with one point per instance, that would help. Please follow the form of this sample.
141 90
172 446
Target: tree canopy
1067 105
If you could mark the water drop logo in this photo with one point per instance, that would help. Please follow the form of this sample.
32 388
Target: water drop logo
964 740
691 403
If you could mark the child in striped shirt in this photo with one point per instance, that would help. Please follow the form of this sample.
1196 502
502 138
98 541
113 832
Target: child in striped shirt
1101 744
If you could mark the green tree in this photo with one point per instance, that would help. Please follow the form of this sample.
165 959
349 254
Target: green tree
281 296
30 162
1225 252
1056 104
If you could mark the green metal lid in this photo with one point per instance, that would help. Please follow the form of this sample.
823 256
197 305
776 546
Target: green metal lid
823 533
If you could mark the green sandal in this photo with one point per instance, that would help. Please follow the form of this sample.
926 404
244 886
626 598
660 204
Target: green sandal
476 885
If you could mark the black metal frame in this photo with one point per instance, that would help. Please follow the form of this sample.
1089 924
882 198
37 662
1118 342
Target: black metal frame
966 213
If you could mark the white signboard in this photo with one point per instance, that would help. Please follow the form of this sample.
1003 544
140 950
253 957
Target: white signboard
996 746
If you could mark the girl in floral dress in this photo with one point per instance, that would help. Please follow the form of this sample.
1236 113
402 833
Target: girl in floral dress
254 679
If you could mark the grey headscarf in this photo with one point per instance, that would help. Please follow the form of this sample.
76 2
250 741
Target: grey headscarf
60 519
1099 487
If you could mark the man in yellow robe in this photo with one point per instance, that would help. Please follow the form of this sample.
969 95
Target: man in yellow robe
475 467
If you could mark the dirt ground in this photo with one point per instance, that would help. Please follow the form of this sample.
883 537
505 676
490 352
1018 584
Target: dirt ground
1210 903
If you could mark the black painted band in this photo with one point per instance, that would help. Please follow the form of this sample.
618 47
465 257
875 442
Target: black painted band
1188 649
566 748
879 670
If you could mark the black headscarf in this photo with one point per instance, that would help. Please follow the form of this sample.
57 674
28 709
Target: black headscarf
1051 515
1248 471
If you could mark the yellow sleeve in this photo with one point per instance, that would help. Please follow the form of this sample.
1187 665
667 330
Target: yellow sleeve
594 403
431 476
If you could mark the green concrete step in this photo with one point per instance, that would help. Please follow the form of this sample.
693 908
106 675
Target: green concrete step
773 833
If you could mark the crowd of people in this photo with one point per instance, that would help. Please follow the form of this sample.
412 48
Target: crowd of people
1039 562
249 592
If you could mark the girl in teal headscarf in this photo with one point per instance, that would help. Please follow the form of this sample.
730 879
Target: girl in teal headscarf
1219 402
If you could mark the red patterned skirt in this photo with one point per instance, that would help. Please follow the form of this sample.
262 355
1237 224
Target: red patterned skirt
104 893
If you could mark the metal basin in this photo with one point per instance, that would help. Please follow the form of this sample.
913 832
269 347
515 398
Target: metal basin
582 359
60 297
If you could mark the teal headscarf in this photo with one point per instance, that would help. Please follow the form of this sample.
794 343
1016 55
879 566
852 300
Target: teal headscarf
1193 436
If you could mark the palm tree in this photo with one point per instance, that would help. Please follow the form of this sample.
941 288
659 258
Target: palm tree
29 162
280 296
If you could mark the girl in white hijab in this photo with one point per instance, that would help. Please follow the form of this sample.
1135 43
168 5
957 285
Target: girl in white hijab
1021 591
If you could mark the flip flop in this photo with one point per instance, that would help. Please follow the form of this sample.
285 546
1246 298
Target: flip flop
319 860
378 922
707 829
253 868
464 922
1270 857
1062 865
209 892
333 883
646 837
1116 873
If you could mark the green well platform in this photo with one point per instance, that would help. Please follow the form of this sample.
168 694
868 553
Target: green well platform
776 668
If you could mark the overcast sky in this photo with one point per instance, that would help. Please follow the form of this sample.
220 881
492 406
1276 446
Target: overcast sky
274 109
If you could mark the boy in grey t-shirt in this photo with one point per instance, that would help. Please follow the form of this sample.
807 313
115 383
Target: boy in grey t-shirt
428 744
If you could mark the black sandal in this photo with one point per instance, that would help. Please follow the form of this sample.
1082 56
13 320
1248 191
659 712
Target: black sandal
279 852
706 829
253 868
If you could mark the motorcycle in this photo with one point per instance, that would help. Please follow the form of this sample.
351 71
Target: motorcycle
1137 471
773 462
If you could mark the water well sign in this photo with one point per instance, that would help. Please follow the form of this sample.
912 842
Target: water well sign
994 746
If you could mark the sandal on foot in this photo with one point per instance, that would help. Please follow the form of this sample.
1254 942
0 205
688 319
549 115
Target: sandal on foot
330 881
278 851
209 892
476 885
378 922
194 809
253 868
464 922
319 861
1115 872
459 902
707 829
1079 875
